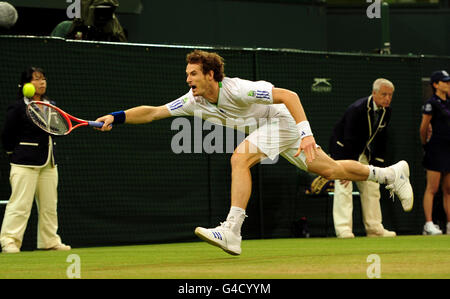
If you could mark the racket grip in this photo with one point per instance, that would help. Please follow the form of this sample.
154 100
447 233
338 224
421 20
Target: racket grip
97 124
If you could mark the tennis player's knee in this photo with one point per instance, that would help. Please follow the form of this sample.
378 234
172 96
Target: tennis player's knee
245 156
239 161
244 161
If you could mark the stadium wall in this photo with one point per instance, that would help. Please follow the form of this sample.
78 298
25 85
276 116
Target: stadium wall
297 24
127 186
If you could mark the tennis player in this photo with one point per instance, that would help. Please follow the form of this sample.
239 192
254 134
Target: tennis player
286 131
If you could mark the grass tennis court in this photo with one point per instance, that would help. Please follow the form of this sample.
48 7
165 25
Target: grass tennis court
400 257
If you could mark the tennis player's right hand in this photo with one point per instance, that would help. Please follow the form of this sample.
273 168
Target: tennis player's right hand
308 146
107 122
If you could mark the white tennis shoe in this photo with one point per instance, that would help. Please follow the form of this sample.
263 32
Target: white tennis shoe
431 229
401 185
222 237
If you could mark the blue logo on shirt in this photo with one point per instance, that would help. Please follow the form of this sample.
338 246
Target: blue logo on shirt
262 94
176 104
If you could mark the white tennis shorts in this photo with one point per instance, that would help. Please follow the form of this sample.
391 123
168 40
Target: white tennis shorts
279 136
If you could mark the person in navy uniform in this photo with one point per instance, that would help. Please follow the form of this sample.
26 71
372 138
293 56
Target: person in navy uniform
361 135
436 161
33 175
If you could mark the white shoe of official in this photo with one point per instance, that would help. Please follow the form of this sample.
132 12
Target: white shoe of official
222 237
60 247
10 248
346 235
401 185
431 229
383 233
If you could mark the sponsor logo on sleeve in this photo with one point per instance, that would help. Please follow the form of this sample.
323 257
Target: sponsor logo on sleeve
259 94
178 103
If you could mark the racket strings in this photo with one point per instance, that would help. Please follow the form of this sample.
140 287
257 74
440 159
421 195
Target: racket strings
48 119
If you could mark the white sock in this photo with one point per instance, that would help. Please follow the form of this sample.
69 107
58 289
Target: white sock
236 217
381 175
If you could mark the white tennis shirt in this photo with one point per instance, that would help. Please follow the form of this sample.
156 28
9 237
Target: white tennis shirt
248 106
241 103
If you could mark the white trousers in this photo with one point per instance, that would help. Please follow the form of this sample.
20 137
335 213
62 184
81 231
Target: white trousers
370 205
27 184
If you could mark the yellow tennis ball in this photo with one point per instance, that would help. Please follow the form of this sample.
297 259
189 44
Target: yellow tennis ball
28 90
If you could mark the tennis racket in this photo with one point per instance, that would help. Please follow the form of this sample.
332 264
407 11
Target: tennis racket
55 121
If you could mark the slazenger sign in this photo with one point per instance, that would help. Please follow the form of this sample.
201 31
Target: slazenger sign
321 85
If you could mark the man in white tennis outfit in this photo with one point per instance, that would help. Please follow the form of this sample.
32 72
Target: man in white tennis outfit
281 127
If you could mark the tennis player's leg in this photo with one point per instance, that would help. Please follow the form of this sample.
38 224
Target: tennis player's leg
228 235
331 169
244 157
328 168
262 143
396 176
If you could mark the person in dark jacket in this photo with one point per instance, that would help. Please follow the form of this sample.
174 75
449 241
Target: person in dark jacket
361 135
33 174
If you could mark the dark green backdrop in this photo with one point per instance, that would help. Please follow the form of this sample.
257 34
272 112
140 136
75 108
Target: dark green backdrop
128 187
298 24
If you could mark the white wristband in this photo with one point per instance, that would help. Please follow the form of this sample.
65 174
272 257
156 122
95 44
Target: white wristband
304 129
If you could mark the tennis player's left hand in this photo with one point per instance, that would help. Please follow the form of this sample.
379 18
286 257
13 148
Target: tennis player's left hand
308 145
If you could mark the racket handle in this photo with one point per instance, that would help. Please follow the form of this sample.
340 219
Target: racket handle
97 124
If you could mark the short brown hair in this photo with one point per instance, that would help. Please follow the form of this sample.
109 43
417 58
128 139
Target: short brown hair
209 61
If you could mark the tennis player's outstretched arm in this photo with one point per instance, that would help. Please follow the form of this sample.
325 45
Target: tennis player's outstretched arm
137 115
